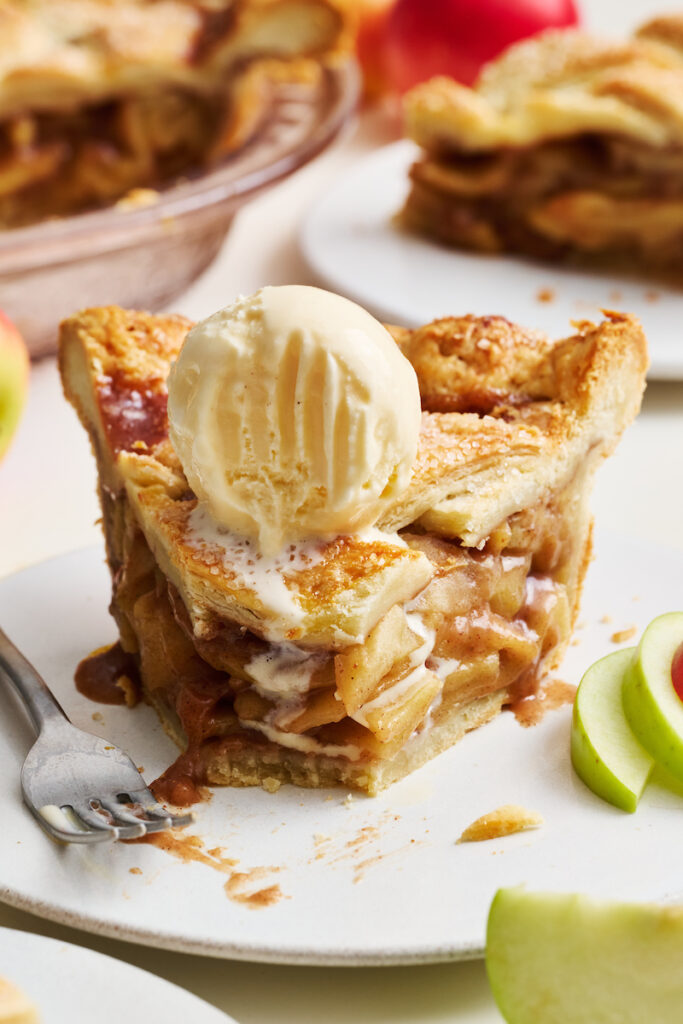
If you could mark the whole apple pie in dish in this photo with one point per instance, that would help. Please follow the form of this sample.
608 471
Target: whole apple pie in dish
351 657
100 98
567 148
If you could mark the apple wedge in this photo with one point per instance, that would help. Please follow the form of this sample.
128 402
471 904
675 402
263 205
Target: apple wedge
555 958
605 753
653 708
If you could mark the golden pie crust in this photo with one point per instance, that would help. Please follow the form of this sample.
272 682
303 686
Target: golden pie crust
567 147
15 1007
401 640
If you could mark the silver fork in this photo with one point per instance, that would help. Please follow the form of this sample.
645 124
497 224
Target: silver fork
80 788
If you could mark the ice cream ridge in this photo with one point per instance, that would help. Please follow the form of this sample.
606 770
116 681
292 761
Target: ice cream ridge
294 415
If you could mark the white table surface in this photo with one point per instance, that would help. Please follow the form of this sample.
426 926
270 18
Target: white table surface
48 506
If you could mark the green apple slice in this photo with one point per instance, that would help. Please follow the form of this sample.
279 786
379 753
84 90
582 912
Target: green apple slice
653 708
605 753
555 958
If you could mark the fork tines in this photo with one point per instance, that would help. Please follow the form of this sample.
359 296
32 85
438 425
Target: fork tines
128 816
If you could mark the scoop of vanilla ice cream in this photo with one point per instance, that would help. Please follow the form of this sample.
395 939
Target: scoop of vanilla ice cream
294 415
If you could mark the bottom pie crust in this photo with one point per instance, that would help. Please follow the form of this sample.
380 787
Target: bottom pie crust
250 760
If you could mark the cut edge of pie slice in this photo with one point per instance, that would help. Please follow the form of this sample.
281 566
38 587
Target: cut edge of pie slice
377 651
567 148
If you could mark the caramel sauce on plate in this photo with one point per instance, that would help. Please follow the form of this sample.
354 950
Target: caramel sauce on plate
188 849
197 705
100 676
530 709
183 782
241 886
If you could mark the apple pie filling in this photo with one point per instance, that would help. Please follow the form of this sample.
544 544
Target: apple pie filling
591 193
483 624
55 164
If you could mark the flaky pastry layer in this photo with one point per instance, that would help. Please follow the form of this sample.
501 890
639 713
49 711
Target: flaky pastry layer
557 84
530 413
57 56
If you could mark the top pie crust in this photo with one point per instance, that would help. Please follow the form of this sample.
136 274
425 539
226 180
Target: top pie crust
57 55
563 82
529 414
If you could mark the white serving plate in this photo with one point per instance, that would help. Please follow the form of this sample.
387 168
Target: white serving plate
351 242
70 985
401 891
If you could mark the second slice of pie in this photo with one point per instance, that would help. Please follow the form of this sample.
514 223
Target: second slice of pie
355 658
568 148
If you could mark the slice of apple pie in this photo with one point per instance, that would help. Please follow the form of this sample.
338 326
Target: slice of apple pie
353 658
567 148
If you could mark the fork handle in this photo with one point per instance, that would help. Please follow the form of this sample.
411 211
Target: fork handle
38 699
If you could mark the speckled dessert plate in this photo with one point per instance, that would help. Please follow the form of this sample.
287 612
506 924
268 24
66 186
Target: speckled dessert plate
353 245
315 877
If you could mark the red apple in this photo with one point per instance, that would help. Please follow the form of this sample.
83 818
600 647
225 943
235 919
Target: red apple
372 18
14 369
677 671
456 37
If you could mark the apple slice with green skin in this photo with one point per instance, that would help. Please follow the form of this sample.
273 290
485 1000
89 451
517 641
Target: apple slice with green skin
14 368
653 707
605 753
556 958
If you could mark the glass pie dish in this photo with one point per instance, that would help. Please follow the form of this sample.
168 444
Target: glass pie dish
148 248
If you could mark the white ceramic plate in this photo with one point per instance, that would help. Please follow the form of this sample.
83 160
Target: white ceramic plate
363 881
351 243
70 985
